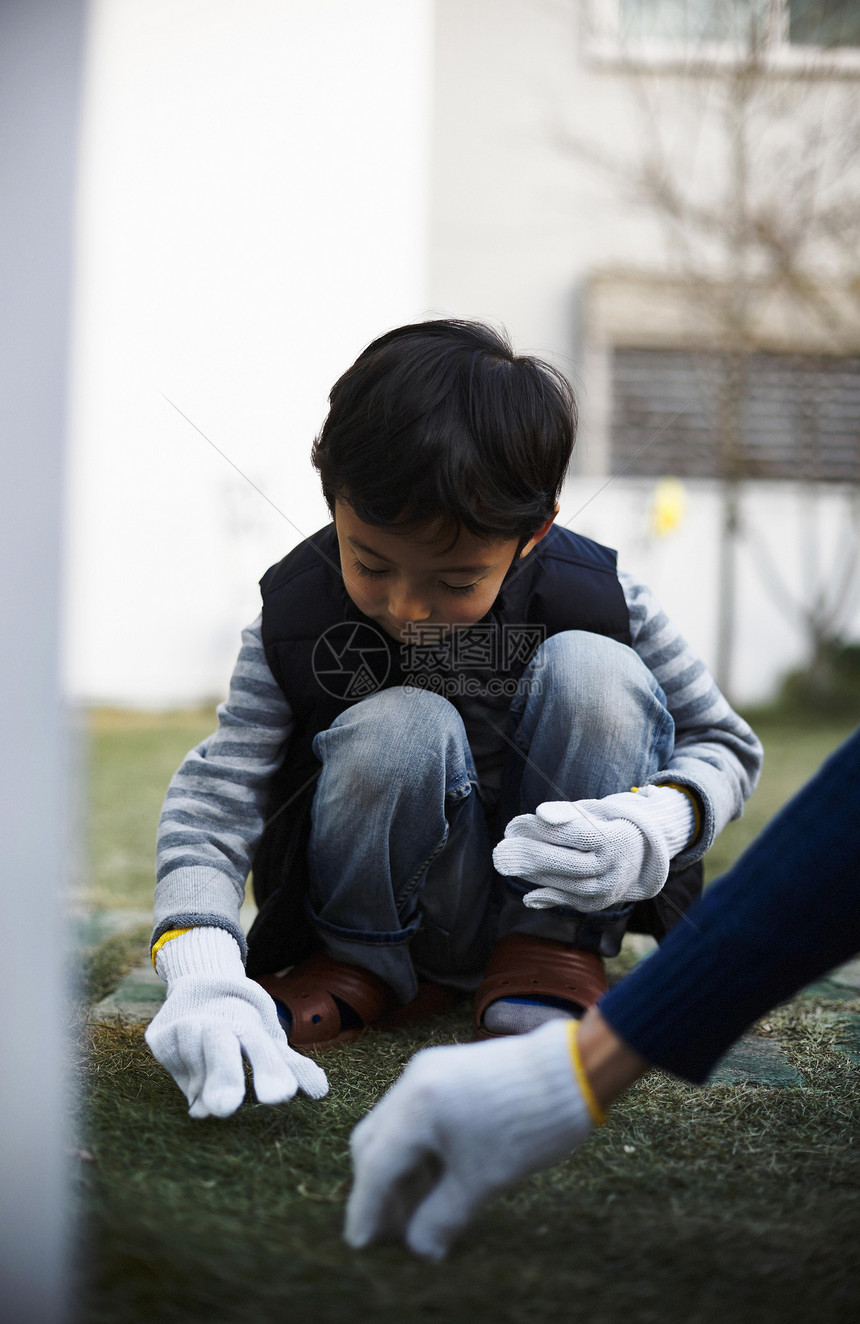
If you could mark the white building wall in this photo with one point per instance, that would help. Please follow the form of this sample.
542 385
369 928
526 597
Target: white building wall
254 209
799 534
516 219
525 209
252 213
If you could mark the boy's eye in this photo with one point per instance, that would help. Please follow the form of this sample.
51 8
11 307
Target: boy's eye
365 570
461 588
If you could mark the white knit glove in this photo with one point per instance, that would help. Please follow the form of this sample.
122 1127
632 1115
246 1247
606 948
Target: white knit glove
459 1125
212 1016
593 854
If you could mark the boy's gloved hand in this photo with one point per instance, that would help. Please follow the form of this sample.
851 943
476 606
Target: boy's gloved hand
459 1125
212 1016
592 854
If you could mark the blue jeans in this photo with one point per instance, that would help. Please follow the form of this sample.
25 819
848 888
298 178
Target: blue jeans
400 855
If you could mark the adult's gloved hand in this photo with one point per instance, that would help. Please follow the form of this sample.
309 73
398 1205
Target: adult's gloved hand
460 1124
593 854
212 1016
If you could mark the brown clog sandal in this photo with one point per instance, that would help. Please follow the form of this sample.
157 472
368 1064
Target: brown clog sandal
308 993
309 990
522 966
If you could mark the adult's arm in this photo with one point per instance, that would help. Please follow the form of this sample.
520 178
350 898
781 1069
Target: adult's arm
788 911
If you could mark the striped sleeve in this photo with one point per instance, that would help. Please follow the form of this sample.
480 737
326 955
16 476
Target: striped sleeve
717 755
214 810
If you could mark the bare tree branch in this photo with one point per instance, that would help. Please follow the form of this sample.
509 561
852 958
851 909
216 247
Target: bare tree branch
780 219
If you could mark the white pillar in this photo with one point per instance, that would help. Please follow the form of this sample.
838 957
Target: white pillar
40 56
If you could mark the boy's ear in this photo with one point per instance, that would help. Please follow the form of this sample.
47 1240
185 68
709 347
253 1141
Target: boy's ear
540 533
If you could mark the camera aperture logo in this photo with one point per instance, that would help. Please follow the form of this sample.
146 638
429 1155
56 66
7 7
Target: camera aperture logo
351 660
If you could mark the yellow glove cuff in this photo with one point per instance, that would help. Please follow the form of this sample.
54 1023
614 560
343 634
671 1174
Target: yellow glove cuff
165 937
597 1114
697 813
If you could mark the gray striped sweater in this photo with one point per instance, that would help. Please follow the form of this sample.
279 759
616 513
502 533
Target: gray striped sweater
213 814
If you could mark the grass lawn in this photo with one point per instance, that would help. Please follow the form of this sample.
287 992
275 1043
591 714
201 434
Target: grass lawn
132 757
688 1206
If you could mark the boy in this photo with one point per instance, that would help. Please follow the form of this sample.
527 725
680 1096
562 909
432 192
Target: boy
439 672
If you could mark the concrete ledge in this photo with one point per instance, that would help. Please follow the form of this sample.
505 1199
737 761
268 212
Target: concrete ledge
755 1061
136 998
140 994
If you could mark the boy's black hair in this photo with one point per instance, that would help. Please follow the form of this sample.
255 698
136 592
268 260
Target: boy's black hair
441 421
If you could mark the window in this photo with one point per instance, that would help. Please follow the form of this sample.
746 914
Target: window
823 22
690 21
784 33
798 416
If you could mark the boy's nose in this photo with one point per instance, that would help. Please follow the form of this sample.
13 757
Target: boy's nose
405 607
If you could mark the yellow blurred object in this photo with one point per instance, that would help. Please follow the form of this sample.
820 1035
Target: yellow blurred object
668 507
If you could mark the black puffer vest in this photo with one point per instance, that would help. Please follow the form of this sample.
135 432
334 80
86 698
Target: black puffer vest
326 654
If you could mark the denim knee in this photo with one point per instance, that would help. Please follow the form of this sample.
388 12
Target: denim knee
588 672
398 733
580 658
589 715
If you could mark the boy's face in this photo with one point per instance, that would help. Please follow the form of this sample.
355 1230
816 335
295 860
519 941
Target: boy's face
420 577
